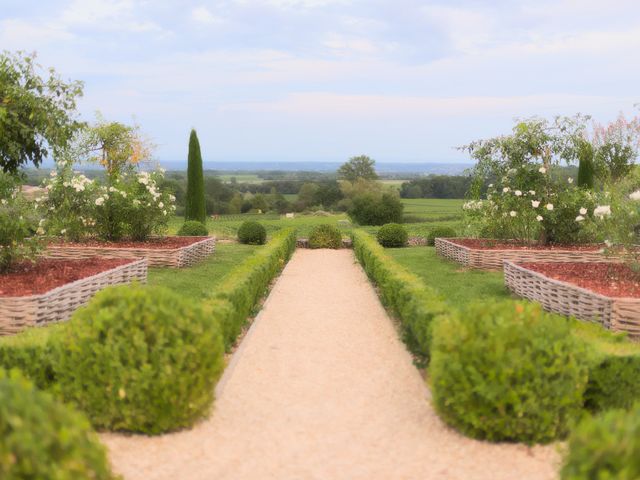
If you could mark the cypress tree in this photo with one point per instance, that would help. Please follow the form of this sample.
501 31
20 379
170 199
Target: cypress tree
585 167
195 205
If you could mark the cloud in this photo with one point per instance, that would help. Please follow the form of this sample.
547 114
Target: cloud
20 35
204 16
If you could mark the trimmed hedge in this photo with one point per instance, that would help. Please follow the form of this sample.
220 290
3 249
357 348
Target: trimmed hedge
415 304
392 235
252 233
605 448
325 236
193 228
240 291
41 438
139 359
508 371
439 232
614 369
29 352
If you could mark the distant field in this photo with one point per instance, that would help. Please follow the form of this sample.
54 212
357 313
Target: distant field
426 213
242 178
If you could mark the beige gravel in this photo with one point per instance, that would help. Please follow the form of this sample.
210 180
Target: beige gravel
322 388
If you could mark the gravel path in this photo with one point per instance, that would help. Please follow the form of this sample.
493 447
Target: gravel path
322 388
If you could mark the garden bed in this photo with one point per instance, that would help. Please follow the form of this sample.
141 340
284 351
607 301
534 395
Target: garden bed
54 288
177 252
478 253
575 291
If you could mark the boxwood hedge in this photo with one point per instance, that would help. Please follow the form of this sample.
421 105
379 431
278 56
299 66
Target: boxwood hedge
238 294
415 304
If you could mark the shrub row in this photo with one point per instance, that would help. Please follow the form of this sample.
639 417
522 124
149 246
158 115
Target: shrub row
325 236
238 294
415 304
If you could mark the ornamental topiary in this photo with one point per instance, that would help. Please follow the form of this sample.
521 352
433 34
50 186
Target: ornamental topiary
194 201
140 359
605 448
440 232
252 233
193 228
42 438
507 371
325 236
392 235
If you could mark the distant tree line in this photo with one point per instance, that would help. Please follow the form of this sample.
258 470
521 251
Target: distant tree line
437 186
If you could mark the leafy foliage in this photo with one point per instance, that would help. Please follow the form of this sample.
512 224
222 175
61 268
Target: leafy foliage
371 209
507 371
415 304
392 235
252 233
37 113
605 448
360 167
238 294
18 225
195 200
193 228
41 438
325 236
440 232
139 359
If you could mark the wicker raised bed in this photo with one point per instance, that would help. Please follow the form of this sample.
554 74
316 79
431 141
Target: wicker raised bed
156 257
493 259
618 314
56 305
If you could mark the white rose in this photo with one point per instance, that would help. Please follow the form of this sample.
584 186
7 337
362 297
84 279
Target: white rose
535 203
99 201
602 211
513 213
579 218
583 211
635 195
532 192
518 193
161 205
542 170
506 189
570 180
539 218
549 206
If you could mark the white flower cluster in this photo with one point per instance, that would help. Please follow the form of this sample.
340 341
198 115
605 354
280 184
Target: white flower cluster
602 211
470 205
78 182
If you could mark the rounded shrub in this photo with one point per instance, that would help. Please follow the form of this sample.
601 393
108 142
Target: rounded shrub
42 438
325 236
440 232
392 235
193 228
252 233
606 447
139 359
507 371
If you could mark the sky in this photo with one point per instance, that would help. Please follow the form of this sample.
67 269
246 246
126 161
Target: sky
323 80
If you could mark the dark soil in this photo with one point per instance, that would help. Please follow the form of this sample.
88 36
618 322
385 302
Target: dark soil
46 274
610 279
160 243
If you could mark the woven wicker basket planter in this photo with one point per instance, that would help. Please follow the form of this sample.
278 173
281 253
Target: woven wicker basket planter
156 257
493 259
618 314
18 313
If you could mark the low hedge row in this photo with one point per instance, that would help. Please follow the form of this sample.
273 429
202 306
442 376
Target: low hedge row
237 296
416 304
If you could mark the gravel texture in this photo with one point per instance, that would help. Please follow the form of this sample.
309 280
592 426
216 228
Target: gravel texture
323 388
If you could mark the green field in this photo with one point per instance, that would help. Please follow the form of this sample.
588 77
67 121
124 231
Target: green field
425 215
241 178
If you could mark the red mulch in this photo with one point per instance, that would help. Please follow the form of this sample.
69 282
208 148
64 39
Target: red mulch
484 244
610 279
161 243
46 274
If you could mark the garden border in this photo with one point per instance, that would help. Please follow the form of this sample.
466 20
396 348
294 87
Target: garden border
493 259
617 314
57 305
169 257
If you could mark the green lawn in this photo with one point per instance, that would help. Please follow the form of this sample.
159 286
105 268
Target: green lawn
457 284
198 281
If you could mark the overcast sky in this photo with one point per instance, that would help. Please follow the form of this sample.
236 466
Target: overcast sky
399 80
